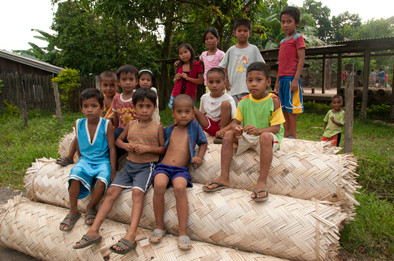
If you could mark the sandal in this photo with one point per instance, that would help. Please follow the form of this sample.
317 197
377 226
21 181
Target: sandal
219 186
260 199
125 245
157 235
90 215
184 243
86 241
69 221
63 161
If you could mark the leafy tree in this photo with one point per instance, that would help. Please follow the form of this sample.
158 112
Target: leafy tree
344 24
68 81
321 14
374 29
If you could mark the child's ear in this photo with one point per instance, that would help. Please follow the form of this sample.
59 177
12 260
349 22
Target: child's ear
268 81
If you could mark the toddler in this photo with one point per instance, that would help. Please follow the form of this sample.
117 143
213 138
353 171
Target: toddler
334 122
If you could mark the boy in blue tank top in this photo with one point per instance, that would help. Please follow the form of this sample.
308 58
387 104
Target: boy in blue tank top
97 163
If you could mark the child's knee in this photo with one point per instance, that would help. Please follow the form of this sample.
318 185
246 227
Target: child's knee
266 139
179 189
138 195
112 193
225 105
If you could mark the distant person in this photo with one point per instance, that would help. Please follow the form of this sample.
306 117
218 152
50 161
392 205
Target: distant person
382 77
373 78
96 167
358 79
237 59
147 80
334 122
291 61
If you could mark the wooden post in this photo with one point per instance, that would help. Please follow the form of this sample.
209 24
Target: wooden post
339 74
349 100
323 74
392 98
57 101
23 100
367 59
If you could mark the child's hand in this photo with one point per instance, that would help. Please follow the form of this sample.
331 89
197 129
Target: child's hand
196 160
113 175
176 63
294 86
238 130
184 76
128 147
276 88
140 149
252 130
227 84
219 134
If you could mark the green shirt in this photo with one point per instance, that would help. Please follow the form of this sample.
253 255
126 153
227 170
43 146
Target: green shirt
333 129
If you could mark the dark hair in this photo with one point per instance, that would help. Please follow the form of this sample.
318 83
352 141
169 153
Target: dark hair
216 70
242 21
259 66
182 97
142 72
107 74
127 68
190 48
337 97
212 31
144 93
91 93
292 11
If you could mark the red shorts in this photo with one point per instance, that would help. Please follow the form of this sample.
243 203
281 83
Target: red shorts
213 127
333 140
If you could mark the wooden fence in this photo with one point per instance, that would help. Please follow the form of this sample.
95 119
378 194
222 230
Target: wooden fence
38 91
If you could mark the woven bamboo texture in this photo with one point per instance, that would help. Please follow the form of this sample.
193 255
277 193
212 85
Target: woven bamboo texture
283 226
300 175
65 144
32 228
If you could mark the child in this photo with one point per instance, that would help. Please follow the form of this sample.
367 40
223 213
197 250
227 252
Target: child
211 58
262 130
122 104
291 61
146 141
181 139
108 86
146 80
217 108
96 166
188 74
237 59
334 122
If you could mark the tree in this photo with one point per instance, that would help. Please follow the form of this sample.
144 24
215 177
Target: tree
343 25
321 14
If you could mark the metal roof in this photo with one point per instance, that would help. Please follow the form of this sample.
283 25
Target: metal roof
30 62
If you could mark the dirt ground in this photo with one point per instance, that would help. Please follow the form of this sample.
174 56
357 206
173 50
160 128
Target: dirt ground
6 253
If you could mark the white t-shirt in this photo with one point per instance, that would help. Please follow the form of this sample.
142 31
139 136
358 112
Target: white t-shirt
211 106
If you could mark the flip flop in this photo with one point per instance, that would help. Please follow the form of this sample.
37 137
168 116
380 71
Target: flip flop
87 241
90 215
70 223
125 245
261 199
218 141
157 235
184 243
219 187
63 161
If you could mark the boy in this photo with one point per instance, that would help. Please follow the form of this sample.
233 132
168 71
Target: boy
95 137
291 61
334 122
146 141
263 120
181 138
108 86
217 108
237 59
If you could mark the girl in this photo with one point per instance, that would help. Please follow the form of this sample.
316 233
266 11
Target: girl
147 80
212 57
188 74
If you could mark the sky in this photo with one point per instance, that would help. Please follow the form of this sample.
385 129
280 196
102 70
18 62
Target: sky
18 17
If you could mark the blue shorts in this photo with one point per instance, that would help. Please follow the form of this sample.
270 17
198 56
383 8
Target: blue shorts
173 172
135 175
290 101
87 173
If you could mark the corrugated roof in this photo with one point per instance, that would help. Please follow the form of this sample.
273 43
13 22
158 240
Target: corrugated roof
30 62
391 38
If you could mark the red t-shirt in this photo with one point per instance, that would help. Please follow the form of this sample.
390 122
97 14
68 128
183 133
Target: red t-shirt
288 58
189 87
124 109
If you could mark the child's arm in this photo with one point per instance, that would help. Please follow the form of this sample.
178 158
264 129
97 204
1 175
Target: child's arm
112 149
116 120
276 88
226 81
335 122
140 149
199 80
201 151
119 142
233 124
177 77
301 60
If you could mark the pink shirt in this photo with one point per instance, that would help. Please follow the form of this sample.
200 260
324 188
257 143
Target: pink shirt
190 88
288 58
211 61
124 109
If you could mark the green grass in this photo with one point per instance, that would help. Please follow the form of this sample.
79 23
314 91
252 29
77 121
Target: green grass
369 235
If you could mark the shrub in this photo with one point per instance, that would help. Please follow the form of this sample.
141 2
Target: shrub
69 84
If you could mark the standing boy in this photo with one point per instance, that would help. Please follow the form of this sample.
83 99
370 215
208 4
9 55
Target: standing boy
262 130
95 137
146 141
237 59
181 139
334 122
291 61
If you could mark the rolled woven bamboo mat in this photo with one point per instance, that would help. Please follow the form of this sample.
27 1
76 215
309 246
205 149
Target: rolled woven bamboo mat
283 226
300 175
32 228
